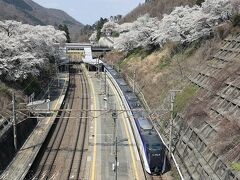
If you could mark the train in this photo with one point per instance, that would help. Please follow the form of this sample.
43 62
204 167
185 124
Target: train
151 148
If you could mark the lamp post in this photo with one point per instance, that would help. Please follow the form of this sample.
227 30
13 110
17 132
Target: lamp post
116 157
116 141
105 81
98 70
114 116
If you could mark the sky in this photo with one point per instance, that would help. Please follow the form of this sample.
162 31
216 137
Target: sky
89 11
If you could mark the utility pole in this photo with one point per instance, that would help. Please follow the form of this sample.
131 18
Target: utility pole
114 116
173 94
48 99
98 66
116 141
105 81
116 159
57 72
108 94
134 80
14 122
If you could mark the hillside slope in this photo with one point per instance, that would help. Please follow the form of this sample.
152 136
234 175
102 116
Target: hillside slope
206 128
205 136
27 11
155 8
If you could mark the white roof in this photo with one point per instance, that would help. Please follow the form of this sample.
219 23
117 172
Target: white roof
88 57
36 103
92 61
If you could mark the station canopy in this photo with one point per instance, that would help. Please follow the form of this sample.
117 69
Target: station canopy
88 57
92 61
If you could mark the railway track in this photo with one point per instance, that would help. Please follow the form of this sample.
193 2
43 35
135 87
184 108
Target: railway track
152 177
63 154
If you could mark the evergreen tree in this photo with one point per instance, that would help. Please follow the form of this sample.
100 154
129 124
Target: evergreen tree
99 26
199 2
65 29
236 20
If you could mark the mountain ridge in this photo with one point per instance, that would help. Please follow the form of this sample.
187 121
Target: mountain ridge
28 11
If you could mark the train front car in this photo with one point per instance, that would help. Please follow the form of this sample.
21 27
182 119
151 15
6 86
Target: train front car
153 147
155 150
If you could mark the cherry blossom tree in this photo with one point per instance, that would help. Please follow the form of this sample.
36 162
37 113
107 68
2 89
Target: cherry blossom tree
110 27
138 34
25 48
93 37
183 25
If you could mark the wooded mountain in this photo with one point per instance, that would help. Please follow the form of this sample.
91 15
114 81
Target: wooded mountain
30 12
155 8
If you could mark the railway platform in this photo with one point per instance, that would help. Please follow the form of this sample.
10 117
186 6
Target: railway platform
101 158
24 158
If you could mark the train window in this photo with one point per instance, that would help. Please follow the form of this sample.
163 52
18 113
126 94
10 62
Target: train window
156 146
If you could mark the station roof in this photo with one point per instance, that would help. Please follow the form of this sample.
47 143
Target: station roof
92 61
36 103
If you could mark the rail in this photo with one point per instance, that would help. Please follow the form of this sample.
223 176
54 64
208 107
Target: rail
20 165
49 164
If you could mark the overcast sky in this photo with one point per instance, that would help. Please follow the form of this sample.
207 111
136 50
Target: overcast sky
89 11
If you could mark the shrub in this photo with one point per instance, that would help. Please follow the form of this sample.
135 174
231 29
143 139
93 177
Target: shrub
223 30
235 166
191 48
115 34
236 20
30 85
134 52
164 62
199 2
4 90
183 98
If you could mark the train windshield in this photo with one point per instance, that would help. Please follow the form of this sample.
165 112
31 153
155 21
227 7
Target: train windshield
155 146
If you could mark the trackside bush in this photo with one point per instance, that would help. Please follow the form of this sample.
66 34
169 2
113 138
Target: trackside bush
236 20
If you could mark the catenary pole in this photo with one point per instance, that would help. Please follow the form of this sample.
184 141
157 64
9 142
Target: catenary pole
14 121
